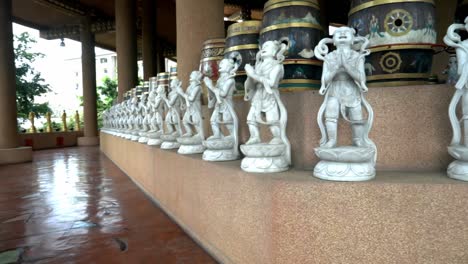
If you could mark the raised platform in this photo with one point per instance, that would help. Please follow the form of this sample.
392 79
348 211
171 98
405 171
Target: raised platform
50 140
293 217
411 127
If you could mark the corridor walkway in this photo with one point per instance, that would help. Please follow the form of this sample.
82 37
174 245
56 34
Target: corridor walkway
75 206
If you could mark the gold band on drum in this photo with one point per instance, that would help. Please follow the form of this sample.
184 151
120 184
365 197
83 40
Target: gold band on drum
241 28
303 81
211 41
380 77
401 47
396 83
304 62
385 2
220 45
241 47
270 6
211 59
291 25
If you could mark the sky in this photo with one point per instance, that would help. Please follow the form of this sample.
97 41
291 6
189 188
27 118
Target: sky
55 71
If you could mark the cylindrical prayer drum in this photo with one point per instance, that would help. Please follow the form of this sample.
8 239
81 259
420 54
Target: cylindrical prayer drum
146 86
163 79
402 36
212 52
173 73
139 90
127 95
243 38
153 83
296 23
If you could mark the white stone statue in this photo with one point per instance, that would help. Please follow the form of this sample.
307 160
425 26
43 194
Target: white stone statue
458 148
344 86
174 106
261 88
131 117
157 96
192 141
452 70
137 119
221 147
143 119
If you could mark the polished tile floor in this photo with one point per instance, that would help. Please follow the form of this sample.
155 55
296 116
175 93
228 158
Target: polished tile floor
74 205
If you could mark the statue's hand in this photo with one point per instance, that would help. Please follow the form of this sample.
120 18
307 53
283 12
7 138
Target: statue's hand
322 90
208 81
249 70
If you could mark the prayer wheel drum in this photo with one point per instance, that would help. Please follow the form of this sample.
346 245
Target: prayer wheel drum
139 90
173 73
401 35
212 52
243 38
298 24
153 83
163 79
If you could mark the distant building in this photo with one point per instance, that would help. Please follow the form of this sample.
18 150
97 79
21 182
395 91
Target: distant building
106 66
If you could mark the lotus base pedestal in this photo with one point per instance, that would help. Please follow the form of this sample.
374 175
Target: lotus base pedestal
345 164
264 158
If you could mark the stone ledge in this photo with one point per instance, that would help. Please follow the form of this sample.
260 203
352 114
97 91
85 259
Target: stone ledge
293 217
88 141
15 155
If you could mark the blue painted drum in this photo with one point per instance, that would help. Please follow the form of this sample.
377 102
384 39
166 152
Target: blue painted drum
298 24
243 37
402 37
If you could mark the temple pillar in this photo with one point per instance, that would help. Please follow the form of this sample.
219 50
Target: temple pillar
88 66
197 21
9 141
149 36
126 42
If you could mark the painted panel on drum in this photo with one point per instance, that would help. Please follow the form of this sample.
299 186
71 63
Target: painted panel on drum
412 22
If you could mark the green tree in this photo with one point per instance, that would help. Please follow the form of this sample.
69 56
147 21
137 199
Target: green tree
29 82
106 95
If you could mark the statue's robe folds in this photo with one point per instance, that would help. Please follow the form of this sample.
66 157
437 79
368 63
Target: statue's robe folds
262 101
341 84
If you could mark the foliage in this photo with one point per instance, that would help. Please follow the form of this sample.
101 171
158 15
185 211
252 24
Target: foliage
106 95
29 83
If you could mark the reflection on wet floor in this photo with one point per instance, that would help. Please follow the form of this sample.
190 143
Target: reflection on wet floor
75 206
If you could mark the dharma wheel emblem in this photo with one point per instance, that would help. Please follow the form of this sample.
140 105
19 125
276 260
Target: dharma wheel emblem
398 22
390 62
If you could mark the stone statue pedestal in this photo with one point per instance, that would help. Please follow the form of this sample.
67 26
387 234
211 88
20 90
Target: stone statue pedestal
458 169
169 141
220 149
264 158
143 137
128 135
190 145
135 136
347 163
154 138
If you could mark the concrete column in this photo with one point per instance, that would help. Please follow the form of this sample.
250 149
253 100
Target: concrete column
9 142
126 40
197 21
149 37
88 66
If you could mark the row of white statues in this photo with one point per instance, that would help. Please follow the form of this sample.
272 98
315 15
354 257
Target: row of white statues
343 85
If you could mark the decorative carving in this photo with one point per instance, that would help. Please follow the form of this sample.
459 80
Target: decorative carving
458 148
191 141
261 88
344 85
222 147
